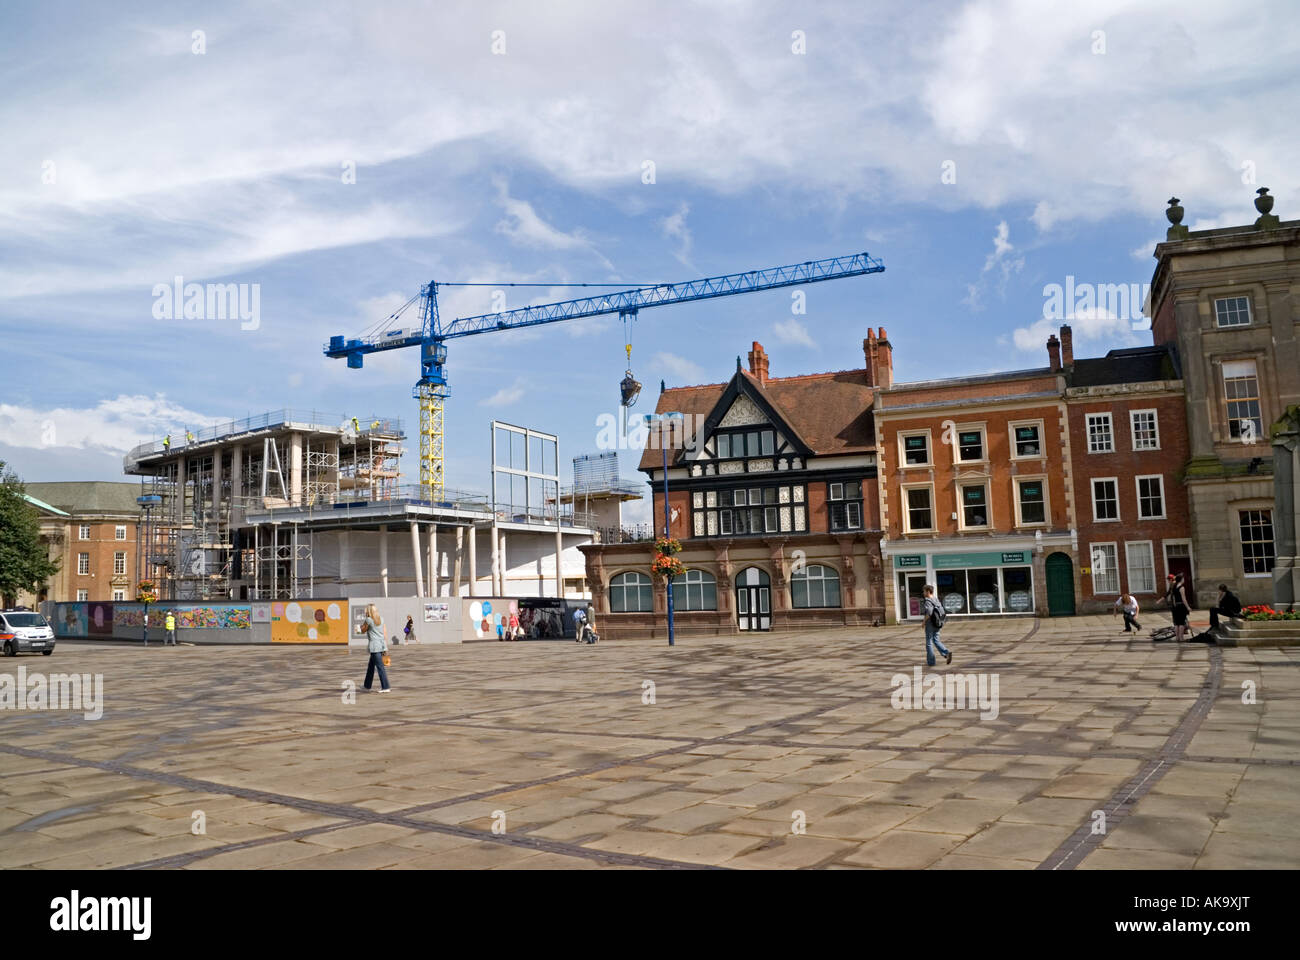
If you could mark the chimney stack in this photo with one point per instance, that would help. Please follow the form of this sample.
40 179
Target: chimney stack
758 363
879 356
1067 346
1054 353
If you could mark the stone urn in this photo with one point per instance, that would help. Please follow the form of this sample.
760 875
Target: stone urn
1175 211
1263 202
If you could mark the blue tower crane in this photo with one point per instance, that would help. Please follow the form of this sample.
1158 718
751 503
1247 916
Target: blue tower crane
432 334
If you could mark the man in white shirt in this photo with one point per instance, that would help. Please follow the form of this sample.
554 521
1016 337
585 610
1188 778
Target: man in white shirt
1128 605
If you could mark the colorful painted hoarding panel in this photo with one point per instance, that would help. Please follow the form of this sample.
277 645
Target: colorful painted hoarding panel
308 621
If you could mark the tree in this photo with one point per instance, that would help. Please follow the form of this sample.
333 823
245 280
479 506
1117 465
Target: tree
25 563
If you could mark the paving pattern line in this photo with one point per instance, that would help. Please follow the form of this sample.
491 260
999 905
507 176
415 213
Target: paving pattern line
1121 803
346 811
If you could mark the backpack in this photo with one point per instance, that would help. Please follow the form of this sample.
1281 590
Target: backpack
938 614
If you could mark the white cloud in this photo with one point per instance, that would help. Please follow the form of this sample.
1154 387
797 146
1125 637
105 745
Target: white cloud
1087 326
681 368
792 331
524 226
674 228
998 258
1001 246
113 426
506 396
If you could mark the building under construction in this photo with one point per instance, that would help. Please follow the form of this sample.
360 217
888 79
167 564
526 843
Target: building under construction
293 504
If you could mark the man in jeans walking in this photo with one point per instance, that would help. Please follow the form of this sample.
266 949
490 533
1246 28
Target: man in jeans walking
935 615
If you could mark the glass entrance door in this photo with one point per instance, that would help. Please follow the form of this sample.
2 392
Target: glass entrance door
753 600
911 588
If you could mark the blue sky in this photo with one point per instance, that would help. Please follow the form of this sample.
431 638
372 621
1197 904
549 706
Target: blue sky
129 159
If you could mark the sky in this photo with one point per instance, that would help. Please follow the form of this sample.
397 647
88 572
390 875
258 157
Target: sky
332 158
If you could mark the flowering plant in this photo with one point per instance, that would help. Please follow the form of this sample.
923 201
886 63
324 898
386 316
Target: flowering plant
146 592
1262 611
667 545
666 565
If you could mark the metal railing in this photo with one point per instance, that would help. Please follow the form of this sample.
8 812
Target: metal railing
388 426
627 533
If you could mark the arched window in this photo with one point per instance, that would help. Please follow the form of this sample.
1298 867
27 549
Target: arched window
815 586
695 590
630 593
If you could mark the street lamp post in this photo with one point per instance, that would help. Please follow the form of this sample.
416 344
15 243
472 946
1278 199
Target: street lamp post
663 417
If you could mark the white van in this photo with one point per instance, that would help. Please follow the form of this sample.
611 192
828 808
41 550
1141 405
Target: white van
23 631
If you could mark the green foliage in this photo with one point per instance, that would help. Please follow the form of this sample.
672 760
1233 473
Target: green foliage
24 561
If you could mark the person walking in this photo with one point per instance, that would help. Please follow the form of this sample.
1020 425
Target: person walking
580 624
1128 605
170 624
408 631
373 627
935 616
514 629
591 623
1228 606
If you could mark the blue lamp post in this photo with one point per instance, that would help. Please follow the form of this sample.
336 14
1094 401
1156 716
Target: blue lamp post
661 417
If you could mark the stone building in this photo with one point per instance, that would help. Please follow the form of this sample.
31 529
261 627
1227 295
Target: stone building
1228 300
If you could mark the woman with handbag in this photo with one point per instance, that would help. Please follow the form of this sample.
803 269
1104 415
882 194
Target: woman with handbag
373 627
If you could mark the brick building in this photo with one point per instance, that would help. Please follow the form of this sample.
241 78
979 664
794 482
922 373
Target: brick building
91 529
1226 300
1128 447
772 492
975 494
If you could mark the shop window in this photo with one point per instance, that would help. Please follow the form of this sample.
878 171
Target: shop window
975 505
630 593
844 505
1018 589
1151 497
1146 430
695 590
982 589
920 512
814 586
1101 434
1232 311
1105 499
950 588
1032 498
1257 554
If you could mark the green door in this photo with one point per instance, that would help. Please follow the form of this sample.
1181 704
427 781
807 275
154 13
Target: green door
1060 585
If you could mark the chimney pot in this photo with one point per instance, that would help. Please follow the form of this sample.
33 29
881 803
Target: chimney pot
758 362
1067 346
1054 353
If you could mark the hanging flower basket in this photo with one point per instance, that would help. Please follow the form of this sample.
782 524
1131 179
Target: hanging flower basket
666 565
667 546
146 592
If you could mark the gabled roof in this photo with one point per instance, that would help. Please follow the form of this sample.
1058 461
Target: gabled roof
825 413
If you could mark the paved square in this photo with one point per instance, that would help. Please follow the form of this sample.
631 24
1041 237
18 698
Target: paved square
764 751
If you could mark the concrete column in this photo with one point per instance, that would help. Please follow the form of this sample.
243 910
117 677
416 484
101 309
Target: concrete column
496 557
178 507
345 549
460 546
216 483
559 563
383 559
236 475
295 469
433 560
501 576
1286 518
472 533
415 556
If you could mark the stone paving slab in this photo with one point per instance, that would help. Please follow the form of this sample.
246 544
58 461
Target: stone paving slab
761 752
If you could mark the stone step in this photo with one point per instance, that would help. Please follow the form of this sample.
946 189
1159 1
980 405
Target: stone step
1259 633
